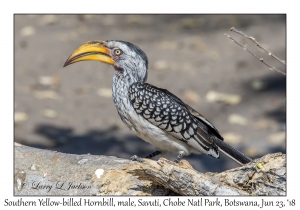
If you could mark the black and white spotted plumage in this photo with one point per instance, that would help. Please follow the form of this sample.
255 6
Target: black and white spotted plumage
170 114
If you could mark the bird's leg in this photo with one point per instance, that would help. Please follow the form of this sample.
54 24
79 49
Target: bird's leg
139 159
179 157
153 154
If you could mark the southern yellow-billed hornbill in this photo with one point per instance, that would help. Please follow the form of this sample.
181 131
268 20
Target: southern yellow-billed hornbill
154 114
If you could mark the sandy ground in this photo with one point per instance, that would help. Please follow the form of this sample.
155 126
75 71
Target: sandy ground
71 110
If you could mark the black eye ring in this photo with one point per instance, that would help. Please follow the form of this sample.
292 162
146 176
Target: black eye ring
118 52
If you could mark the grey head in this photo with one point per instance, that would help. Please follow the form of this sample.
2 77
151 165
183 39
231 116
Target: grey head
129 60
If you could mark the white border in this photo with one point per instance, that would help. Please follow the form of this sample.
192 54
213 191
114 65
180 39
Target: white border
227 7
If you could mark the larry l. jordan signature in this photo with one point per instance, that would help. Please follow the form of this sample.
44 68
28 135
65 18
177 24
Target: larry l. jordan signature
59 186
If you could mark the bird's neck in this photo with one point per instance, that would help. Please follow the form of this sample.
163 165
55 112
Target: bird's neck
120 85
122 80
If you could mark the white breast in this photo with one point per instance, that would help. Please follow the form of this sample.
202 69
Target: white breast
152 134
140 126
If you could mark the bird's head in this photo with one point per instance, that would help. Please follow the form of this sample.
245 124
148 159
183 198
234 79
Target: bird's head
126 58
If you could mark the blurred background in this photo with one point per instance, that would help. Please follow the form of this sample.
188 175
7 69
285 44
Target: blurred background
71 110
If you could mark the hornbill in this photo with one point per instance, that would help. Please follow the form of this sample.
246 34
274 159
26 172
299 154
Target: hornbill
154 114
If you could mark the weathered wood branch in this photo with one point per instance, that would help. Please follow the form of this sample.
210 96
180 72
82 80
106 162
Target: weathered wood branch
44 172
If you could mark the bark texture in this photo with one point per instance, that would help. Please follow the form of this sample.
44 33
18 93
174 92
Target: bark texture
44 172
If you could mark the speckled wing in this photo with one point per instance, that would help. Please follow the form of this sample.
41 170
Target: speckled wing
199 117
169 113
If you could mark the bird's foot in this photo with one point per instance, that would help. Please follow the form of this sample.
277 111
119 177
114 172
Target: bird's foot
136 158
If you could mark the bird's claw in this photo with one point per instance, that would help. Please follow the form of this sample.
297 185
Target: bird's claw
136 158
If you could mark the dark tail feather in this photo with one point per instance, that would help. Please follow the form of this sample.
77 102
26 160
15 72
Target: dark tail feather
232 153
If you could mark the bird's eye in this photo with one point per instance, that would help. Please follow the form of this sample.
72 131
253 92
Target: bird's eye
118 52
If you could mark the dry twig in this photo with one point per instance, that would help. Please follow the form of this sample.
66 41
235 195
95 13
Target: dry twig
259 45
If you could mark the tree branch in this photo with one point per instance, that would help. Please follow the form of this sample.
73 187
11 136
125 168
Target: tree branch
44 172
